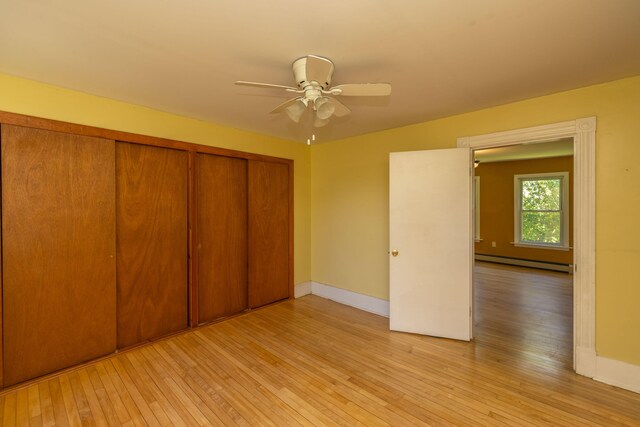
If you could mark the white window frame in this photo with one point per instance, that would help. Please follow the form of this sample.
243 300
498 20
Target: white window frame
564 210
476 209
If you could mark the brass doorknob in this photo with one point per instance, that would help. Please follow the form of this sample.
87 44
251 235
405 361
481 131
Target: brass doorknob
394 252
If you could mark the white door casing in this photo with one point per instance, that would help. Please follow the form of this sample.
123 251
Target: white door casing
431 228
583 132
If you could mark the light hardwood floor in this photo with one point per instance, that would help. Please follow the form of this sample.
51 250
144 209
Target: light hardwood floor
316 362
525 314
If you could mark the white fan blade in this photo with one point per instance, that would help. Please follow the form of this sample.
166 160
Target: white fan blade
319 69
282 107
340 109
363 89
268 85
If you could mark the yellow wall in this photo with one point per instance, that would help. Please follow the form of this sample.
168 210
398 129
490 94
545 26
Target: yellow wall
497 208
37 99
341 188
350 186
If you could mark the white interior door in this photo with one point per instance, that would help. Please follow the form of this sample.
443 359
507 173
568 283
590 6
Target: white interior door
430 228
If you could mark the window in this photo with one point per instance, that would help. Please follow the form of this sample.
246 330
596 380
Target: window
476 208
542 210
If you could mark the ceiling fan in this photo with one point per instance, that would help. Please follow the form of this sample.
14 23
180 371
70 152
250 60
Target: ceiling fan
312 76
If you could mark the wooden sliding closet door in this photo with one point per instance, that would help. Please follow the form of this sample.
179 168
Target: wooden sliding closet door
268 232
152 242
58 250
221 236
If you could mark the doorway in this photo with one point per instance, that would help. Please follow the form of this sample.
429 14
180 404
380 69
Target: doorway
582 132
431 294
523 251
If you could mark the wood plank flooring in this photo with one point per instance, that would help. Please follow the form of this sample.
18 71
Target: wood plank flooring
525 313
315 362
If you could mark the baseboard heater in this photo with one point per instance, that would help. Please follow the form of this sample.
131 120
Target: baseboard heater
544 265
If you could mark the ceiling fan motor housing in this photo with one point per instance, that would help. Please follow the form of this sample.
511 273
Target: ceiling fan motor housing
300 73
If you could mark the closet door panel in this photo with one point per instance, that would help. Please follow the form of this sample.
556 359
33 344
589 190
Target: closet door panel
151 242
58 246
268 232
221 236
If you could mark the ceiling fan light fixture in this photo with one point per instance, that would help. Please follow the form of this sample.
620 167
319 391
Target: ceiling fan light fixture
318 122
312 76
324 108
296 110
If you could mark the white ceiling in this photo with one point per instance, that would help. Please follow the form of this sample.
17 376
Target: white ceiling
442 57
540 150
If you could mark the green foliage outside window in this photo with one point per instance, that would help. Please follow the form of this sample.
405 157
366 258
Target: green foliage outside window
541 210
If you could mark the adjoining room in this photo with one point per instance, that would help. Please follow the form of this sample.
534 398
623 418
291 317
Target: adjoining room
523 243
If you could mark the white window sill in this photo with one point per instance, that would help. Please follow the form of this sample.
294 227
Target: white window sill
540 246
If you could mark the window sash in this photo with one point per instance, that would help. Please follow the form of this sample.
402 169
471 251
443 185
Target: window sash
547 236
562 177
560 180
543 211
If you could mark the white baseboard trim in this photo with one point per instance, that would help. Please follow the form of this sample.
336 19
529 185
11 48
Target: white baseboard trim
617 373
525 263
353 299
302 289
